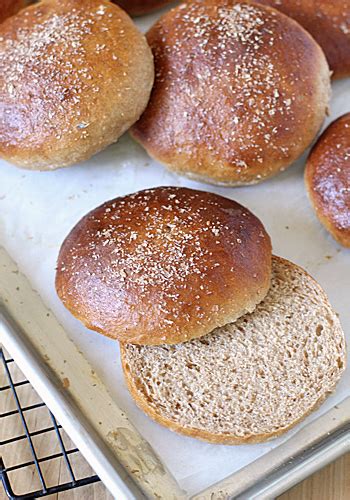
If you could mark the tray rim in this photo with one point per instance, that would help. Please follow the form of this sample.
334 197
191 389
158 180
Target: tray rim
311 448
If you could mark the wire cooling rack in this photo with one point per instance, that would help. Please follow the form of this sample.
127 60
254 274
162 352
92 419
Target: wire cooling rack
34 467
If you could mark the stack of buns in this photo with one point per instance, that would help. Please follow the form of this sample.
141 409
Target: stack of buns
220 340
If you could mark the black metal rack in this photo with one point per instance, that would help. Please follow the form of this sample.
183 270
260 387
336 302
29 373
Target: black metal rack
26 434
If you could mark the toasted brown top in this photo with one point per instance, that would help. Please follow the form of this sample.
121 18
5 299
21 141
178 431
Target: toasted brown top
9 7
327 178
139 7
328 21
164 265
240 91
73 76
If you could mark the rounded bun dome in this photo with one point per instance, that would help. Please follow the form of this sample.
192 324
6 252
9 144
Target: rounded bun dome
327 178
164 265
240 91
75 75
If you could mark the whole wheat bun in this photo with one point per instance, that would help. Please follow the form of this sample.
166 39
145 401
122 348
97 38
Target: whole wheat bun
327 179
9 8
140 7
240 91
249 381
164 265
328 21
74 76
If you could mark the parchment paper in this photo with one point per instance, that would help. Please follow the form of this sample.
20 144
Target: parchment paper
37 209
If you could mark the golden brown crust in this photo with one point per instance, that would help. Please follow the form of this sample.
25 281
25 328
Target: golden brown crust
73 77
329 24
225 108
9 8
327 179
137 391
201 434
164 265
140 7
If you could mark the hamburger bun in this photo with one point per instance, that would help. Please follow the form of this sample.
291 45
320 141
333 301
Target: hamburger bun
164 265
240 92
74 76
327 179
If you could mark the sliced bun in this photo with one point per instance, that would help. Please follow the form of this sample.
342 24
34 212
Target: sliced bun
164 265
9 8
249 381
74 77
241 90
327 178
139 7
328 21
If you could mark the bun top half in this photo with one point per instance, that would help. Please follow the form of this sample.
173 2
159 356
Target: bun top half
164 265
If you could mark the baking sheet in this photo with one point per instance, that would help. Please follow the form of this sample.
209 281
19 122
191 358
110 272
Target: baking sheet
37 209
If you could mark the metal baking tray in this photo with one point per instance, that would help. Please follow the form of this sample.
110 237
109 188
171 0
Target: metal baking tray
117 452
